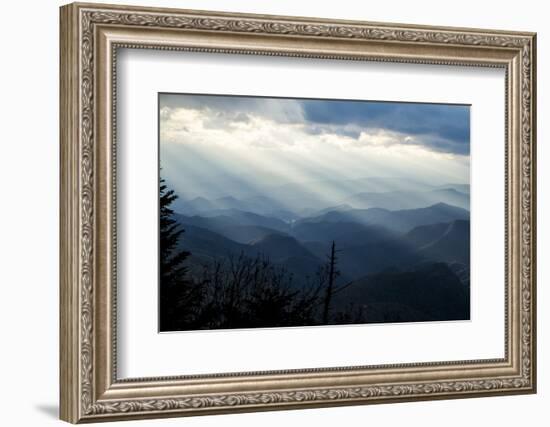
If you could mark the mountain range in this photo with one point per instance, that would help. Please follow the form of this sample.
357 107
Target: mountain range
429 292
405 252
363 247
295 200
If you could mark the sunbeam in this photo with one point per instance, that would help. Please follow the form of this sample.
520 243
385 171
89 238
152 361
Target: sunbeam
294 153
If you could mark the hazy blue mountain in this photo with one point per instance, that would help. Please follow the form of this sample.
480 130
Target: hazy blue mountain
368 241
278 246
429 292
394 200
448 242
462 271
229 202
389 193
463 188
297 200
426 234
207 245
344 233
259 205
399 221
247 218
399 291
241 227
214 223
194 206
450 196
361 249
440 212
367 257
374 256
397 200
341 188
221 220
247 234
453 246
339 208
269 206
288 252
290 202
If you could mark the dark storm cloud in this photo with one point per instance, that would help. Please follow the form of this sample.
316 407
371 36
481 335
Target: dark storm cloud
443 128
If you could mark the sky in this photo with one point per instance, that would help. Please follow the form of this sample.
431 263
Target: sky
210 145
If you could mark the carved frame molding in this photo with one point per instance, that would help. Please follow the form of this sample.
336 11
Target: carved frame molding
90 36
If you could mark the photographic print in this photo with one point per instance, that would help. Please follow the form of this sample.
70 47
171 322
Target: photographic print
281 212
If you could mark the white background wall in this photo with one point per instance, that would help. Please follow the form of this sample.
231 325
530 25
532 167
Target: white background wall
29 170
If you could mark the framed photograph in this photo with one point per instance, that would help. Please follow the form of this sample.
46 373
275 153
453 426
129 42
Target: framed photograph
266 212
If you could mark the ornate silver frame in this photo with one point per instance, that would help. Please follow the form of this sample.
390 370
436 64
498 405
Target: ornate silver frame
90 36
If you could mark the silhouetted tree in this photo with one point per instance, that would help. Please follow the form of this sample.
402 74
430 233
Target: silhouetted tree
180 297
247 292
327 276
332 273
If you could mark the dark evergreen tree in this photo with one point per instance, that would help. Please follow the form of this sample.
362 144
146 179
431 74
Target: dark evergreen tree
180 297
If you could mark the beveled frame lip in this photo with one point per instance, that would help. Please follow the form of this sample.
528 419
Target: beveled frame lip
90 35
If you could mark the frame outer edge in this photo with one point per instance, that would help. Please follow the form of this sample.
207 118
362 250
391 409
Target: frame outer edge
77 340
533 201
69 354
305 19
